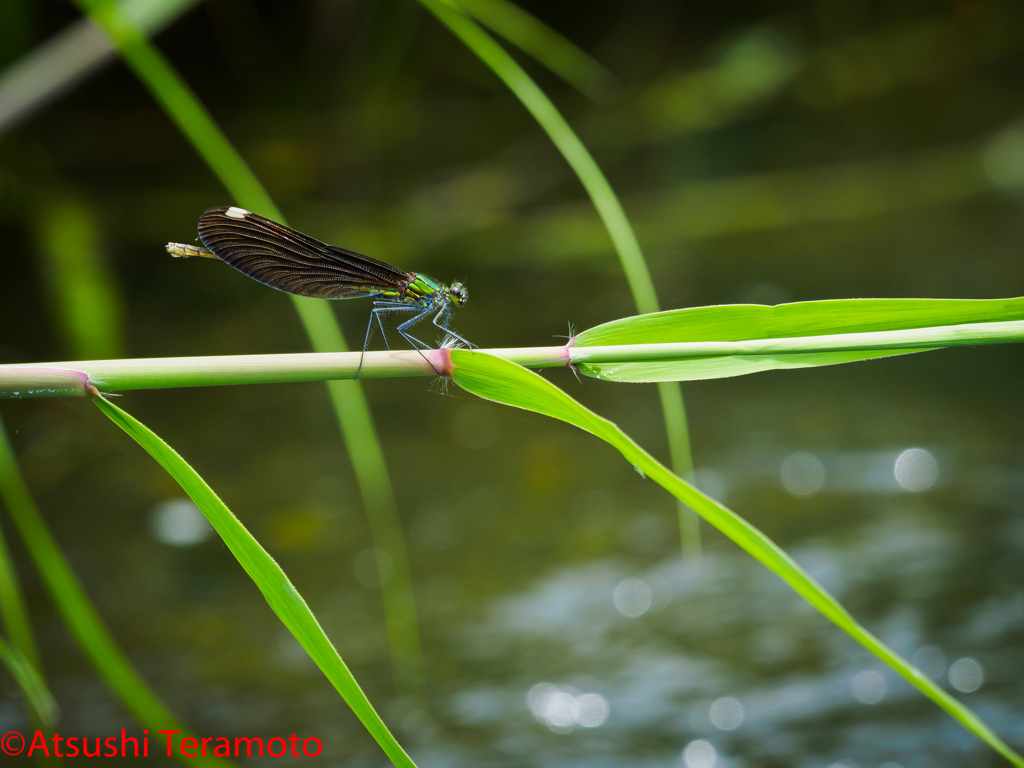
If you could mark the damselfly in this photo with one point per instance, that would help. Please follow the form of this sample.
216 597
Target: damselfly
290 261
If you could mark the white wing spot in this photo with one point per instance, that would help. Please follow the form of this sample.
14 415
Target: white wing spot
236 213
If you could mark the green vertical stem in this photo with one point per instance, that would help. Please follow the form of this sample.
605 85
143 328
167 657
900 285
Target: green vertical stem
83 295
12 602
19 628
608 208
676 425
32 685
353 414
76 609
534 37
371 472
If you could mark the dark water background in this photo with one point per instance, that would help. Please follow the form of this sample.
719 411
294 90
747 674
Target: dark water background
766 152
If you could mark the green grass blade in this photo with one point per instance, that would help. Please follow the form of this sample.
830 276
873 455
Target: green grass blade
740 322
725 366
79 614
495 379
30 682
534 37
604 199
804 320
353 415
277 589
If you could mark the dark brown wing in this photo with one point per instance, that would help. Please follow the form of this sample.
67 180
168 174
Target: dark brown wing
290 261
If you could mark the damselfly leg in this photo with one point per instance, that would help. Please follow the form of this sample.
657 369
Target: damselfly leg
379 308
444 327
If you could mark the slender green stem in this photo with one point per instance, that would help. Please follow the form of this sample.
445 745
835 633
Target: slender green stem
155 373
21 655
561 134
544 44
12 601
30 681
350 407
162 372
678 430
608 208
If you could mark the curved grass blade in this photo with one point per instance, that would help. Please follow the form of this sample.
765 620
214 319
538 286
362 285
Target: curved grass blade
801 320
30 682
317 318
79 614
277 589
495 379
608 208
740 322
534 37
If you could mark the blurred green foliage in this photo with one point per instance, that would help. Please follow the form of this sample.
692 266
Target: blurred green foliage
82 291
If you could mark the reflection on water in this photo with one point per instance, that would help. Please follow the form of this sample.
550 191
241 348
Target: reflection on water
699 754
868 686
179 523
916 470
562 708
805 474
726 714
632 597
727 626
966 675
802 474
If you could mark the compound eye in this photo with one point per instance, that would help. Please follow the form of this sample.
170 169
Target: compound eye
458 293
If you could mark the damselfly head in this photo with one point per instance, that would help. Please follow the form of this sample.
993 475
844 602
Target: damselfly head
459 294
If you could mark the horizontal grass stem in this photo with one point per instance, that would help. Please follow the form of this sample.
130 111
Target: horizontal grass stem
38 379
163 372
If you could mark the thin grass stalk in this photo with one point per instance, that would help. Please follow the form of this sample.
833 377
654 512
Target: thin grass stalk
21 655
534 37
77 610
353 415
71 378
12 600
608 208
31 682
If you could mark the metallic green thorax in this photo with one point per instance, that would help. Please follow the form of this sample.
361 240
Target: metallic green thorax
422 291
419 290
